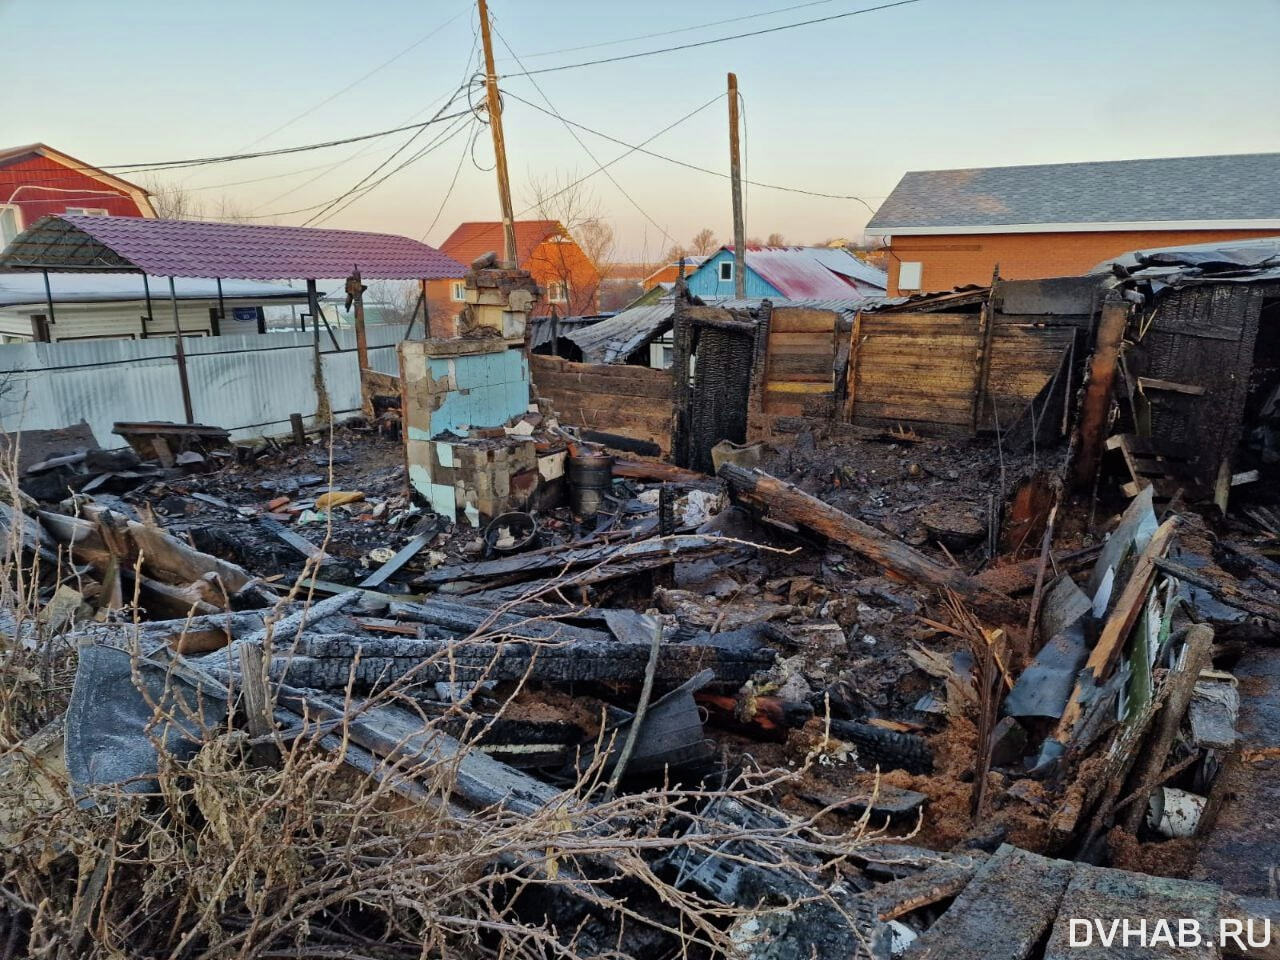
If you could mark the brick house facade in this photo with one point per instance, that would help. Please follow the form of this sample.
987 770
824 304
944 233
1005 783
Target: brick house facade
950 228
570 281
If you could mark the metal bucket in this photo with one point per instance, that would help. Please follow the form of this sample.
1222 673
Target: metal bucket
521 529
590 478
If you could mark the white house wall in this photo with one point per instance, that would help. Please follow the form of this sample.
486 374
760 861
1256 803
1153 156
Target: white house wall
248 384
74 321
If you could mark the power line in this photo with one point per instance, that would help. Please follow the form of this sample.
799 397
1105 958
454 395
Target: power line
707 43
467 145
447 97
440 141
395 153
690 166
622 156
600 168
667 33
203 161
463 88
361 79
363 150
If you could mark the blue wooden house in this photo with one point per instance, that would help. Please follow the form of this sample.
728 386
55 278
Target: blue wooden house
790 273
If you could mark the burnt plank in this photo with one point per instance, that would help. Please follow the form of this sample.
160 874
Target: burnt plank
1002 914
1097 893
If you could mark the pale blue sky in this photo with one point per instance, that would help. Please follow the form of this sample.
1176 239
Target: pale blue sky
843 107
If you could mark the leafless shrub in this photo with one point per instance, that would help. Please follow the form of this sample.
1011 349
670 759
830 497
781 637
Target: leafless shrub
303 854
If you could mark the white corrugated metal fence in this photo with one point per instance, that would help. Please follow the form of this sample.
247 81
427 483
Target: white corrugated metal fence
248 383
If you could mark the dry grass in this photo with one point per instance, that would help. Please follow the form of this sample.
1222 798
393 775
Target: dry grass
282 848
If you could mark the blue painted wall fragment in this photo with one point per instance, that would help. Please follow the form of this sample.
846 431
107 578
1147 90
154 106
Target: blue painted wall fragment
488 389
706 282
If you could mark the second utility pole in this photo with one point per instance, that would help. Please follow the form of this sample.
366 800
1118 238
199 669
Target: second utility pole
735 174
499 145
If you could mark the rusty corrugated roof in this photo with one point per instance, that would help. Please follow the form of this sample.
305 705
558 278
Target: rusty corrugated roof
186 248
814 273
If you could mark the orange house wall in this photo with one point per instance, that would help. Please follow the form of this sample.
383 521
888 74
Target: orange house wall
551 261
954 260
548 263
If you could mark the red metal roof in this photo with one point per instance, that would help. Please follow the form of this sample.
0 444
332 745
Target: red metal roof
798 273
185 248
476 238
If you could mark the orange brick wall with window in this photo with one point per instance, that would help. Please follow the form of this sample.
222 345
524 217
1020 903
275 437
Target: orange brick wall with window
953 260
551 262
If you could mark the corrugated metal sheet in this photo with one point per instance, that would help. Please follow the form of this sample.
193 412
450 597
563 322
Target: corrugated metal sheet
615 339
797 273
185 248
847 307
841 261
248 384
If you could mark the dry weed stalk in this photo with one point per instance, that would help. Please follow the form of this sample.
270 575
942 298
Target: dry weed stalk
308 856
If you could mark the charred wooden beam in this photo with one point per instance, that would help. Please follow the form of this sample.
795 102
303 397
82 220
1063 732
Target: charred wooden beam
782 501
1091 430
331 663
657 552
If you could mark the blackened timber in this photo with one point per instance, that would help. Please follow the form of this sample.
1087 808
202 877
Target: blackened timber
780 500
299 543
658 552
465 619
570 661
403 556
400 736
1096 402
1004 912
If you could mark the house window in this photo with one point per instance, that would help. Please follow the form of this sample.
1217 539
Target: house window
557 292
726 271
459 290
87 211
910 273
661 353
10 223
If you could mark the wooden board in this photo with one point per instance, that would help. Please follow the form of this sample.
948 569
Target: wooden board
1002 914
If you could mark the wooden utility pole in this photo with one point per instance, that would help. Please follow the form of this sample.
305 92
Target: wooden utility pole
355 297
735 174
499 145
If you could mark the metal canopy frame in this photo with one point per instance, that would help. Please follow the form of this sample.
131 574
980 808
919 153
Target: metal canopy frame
70 243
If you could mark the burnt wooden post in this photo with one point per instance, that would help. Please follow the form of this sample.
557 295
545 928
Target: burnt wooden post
851 369
181 356
986 332
1092 425
299 432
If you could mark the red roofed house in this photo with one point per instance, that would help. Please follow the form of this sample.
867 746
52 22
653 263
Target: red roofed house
37 180
543 247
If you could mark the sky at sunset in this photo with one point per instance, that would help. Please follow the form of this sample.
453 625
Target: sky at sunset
843 107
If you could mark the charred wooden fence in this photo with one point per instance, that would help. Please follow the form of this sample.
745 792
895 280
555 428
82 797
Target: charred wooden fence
615 398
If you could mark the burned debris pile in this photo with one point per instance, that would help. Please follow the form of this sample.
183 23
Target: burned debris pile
834 683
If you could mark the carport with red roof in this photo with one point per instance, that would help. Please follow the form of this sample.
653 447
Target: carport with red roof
188 248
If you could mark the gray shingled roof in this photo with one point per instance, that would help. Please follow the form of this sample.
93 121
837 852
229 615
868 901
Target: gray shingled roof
1235 187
